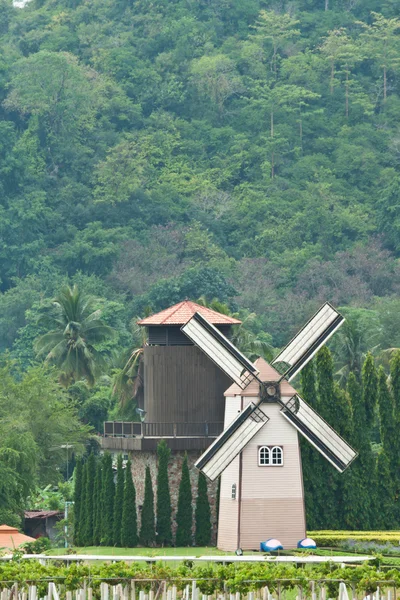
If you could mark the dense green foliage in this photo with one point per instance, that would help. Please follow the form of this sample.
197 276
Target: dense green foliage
243 150
98 507
107 500
184 514
366 496
37 419
118 501
147 525
163 527
129 528
183 149
210 577
202 513
88 509
78 501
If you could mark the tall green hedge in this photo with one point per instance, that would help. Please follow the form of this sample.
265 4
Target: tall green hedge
147 528
184 516
164 529
129 529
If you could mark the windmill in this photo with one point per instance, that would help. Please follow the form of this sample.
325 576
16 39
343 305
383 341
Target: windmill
258 455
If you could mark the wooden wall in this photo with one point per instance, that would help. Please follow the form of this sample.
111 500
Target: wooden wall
182 385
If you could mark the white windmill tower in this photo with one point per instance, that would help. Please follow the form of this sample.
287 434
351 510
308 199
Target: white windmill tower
258 454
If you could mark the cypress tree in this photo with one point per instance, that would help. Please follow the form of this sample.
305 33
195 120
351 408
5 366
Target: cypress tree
202 513
82 514
312 461
184 517
147 529
395 380
164 531
108 493
386 415
395 387
129 534
370 388
326 393
358 480
118 502
87 522
77 500
386 517
98 508
391 442
369 396
329 498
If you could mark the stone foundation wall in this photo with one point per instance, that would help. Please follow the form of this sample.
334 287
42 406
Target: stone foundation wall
140 460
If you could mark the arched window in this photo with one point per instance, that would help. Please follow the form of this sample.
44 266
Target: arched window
277 456
264 456
270 456
233 495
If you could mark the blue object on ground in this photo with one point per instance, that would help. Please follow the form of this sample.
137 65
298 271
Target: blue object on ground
306 543
271 545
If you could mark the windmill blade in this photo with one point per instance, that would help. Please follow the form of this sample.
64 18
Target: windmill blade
231 441
319 433
220 350
309 340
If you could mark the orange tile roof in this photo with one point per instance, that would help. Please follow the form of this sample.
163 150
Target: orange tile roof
181 313
267 373
11 538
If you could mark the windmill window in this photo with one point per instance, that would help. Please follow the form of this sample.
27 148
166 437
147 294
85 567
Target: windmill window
277 456
270 456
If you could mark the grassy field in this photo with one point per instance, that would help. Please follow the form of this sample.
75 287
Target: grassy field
111 550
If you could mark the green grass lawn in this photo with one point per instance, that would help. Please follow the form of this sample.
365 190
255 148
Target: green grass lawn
111 550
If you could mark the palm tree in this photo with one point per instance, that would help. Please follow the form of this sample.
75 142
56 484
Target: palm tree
358 335
76 330
128 380
251 344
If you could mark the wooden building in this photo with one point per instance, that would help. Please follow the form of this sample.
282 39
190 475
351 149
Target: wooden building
183 395
183 402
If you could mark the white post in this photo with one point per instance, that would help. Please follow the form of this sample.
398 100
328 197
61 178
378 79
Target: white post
343 593
193 589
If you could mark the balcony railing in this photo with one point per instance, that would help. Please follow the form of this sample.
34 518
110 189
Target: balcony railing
129 429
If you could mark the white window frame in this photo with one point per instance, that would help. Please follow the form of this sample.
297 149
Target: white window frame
233 491
262 449
270 462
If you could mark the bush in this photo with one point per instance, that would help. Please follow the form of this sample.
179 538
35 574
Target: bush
39 546
335 538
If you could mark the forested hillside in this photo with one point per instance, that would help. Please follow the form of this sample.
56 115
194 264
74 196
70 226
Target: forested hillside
244 150
241 149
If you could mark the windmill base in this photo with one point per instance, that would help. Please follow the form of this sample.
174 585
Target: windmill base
280 518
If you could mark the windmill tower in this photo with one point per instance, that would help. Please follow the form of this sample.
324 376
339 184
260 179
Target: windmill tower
258 454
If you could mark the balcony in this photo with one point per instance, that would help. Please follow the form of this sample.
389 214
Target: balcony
126 435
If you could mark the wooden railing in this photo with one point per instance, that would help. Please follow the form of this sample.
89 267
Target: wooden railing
130 429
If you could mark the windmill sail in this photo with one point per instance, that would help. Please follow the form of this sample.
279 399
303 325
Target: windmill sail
317 431
220 350
231 441
309 340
